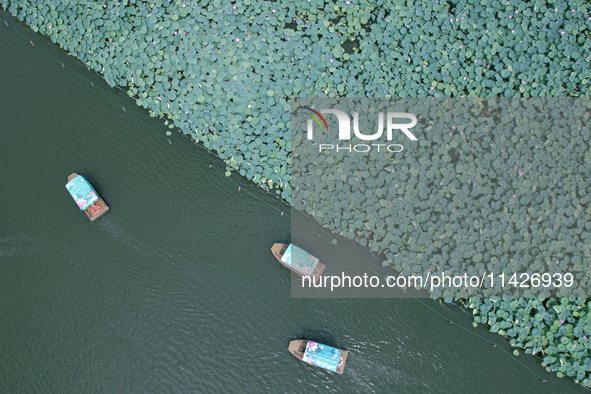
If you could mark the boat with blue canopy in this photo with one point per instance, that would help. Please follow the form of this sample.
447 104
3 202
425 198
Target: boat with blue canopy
86 197
297 260
319 355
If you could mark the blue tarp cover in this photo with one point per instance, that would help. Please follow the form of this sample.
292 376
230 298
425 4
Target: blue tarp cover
323 356
82 192
300 260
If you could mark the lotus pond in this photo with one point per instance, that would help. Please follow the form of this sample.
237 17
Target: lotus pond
224 74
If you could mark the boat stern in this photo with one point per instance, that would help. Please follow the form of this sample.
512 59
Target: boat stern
318 270
342 361
97 209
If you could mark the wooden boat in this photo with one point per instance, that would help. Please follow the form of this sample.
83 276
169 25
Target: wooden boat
298 260
86 197
320 355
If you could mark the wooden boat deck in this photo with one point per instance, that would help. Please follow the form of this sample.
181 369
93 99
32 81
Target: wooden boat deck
298 348
91 210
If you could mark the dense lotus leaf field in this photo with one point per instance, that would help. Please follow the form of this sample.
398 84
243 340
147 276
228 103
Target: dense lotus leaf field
224 73
490 186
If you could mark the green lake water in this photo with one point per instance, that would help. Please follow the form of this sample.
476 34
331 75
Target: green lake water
175 289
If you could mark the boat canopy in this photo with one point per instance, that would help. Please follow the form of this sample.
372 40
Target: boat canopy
323 356
82 192
300 260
